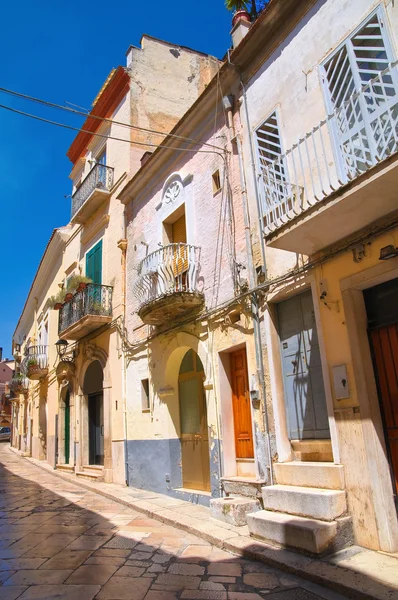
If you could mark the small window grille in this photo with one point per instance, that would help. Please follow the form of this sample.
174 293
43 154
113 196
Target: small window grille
216 181
145 398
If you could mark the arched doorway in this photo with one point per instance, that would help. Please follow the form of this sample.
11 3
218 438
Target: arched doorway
193 420
93 390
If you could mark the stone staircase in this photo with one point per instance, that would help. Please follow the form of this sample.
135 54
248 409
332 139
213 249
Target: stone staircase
91 472
306 510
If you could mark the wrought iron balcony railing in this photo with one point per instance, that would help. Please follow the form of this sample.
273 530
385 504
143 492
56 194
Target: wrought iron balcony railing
100 177
35 363
169 270
95 300
355 137
19 383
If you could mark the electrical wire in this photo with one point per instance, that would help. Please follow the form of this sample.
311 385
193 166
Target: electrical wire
103 119
108 137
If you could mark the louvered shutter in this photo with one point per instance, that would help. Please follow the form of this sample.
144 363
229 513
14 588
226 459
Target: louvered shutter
363 124
277 198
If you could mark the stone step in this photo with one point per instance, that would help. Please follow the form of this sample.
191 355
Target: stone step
312 450
242 486
90 476
233 510
314 503
309 535
66 468
310 474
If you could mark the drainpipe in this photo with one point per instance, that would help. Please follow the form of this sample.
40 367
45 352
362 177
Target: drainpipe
253 167
122 244
227 101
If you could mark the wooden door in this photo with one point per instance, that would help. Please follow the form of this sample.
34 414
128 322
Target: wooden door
241 405
179 236
385 347
67 428
194 430
96 429
302 371
382 311
94 263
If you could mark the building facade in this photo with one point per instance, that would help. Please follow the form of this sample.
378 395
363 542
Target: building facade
321 127
77 298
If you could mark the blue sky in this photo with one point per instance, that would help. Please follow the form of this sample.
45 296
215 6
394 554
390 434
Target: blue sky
63 51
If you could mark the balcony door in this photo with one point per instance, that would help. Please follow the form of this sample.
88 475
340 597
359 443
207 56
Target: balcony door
305 399
363 124
94 263
93 295
101 160
180 257
194 431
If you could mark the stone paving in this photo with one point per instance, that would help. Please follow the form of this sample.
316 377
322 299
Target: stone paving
59 540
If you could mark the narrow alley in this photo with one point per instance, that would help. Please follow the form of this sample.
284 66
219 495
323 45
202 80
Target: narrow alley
59 540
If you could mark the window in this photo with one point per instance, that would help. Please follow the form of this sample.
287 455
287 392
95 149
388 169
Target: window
216 181
364 124
145 399
276 191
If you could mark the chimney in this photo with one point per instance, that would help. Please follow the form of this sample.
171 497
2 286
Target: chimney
145 157
240 27
1 353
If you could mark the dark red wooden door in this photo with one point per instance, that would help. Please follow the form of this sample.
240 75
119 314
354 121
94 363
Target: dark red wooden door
241 406
385 350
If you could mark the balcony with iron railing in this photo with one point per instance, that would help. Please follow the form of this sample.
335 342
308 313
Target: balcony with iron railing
93 190
340 177
19 384
168 284
89 309
35 362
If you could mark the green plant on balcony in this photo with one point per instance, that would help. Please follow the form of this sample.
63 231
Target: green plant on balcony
76 283
97 308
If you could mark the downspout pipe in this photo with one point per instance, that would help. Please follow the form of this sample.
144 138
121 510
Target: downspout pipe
122 244
228 101
254 174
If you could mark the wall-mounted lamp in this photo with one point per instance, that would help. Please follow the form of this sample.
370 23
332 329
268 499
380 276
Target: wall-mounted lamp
62 349
388 252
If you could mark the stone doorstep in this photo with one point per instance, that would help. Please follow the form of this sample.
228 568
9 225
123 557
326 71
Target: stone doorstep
344 581
315 503
242 486
324 475
233 510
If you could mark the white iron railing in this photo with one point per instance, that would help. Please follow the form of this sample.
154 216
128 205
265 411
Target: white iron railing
169 270
355 137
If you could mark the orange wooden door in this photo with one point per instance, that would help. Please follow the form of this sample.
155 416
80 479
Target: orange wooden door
385 351
241 406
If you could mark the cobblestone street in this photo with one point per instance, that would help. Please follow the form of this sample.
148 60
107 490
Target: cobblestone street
58 540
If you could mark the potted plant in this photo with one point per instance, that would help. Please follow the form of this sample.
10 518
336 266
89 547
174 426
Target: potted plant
240 10
77 283
18 384
57 301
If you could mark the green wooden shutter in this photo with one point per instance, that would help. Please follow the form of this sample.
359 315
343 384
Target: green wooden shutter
94 263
